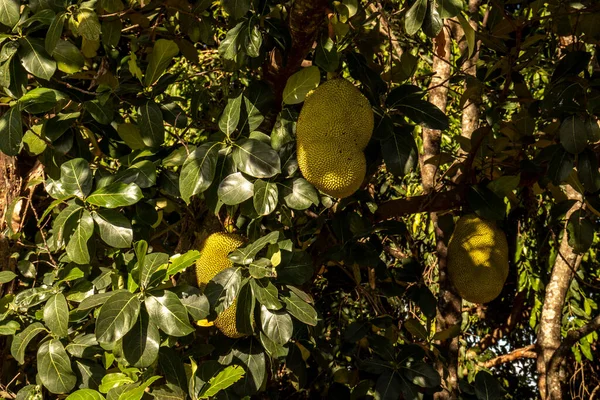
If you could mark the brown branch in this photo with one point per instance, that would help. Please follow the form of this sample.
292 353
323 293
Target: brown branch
524 352
560 354
432 202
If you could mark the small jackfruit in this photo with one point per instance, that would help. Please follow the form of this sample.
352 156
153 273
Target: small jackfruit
213 259
333 129
477 259
226 322
213 255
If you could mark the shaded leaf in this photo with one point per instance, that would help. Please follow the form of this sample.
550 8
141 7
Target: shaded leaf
54 367
298 85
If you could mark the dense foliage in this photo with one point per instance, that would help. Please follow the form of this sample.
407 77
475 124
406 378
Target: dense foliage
140 126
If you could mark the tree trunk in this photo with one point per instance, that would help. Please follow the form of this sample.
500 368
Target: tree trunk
449 303
549 331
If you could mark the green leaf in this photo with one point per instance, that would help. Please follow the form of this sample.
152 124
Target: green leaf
41 100
236 8
400 153
194 301
76 177
300 84
117 316
84 346
326 55
389 385
103 113
467 28
487 387
424 113
266 293
54 32
77 249
432 24
9 12
172 367
111 31
235 189
265 198
246 254
231 115
587 170
581 232
223 288
21 340
413 20
277 325
222 381
54 367
35 59
151 124
300 309
163 52
422 374
296 267
560 167
179 262
141 343
85 394
486 203
256 158
7 276
298 194
198 170
56 315
244 316
116 195
252 359
130 133
151 263
89 26
65 222
115 229
231 47
11 131
167 312
450 8
114 380
416 328
138 392
573 134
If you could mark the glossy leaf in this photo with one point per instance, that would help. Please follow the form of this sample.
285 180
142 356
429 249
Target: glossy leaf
265 197
114 228
117 316
54 367
22 340
116 195
231 115
141 343
167 312
235 189
152 129
162 54
413 20
35 59
11 131
277 325
300 309
256 158
198 170
299 84
77 248
56 315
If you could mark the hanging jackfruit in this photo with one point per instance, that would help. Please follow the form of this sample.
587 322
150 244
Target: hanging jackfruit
333 129
477 259
213 259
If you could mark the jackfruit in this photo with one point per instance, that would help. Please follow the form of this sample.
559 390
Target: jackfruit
333 129
213 256
226 322
213 259
477 259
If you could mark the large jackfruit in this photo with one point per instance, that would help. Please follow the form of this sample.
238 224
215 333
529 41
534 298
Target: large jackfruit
477 259
213 259
333 129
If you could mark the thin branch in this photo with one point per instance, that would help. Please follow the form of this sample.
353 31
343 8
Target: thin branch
518 354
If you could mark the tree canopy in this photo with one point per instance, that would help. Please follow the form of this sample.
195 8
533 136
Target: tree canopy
130 130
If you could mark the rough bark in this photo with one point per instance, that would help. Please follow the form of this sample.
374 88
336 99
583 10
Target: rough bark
549 331
449 304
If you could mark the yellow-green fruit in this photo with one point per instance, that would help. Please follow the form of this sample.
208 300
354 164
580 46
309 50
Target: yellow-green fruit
335 170
334 127
213 259
477 259
226 322
213 255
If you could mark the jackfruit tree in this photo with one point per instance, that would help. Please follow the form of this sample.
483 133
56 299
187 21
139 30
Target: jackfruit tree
349 199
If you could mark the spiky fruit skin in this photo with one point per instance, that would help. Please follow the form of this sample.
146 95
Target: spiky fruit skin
213 259
477 259
333 129
225 322
213 255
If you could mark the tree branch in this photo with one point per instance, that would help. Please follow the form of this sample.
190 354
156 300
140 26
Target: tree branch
523 352
515 315
432 202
